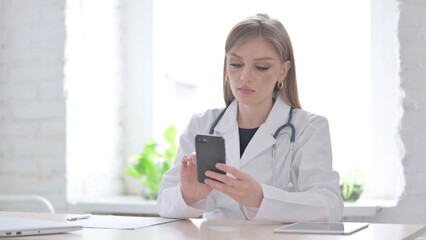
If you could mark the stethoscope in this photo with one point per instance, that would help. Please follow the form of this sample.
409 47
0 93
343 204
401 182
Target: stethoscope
292 137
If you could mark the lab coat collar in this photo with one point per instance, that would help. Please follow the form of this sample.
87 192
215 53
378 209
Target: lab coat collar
229 119
264 137
227 127
277 117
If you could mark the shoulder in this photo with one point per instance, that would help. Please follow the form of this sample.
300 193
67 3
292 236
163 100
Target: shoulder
207 114
306 116
202 121
303 119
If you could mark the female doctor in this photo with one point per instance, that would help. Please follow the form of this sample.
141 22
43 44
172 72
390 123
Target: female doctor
278 156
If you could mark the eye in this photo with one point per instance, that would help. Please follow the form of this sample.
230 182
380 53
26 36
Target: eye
236 65
262 68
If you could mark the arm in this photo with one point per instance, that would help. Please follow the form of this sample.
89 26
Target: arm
180 195
170 202
317 194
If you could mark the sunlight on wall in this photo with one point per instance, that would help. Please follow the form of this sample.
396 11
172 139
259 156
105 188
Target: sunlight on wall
93 83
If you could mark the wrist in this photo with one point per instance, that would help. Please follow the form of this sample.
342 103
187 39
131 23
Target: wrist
188 201
260 200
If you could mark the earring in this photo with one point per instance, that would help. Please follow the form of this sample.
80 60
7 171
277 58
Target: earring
280 85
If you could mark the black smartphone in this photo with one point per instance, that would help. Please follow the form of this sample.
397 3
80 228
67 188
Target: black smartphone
209 150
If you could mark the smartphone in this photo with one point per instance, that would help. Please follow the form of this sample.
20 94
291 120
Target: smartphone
209 150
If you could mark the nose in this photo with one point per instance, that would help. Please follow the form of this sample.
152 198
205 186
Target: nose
246 75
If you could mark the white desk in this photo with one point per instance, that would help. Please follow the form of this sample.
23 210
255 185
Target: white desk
218 230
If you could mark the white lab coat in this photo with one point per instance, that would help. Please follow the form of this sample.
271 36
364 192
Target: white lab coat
313 193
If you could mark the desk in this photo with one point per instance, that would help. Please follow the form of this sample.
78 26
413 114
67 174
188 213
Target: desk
217 229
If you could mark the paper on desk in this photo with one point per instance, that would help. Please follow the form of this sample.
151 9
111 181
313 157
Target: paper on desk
121 222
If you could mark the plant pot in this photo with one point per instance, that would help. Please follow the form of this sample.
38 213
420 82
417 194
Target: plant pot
354 195
148 194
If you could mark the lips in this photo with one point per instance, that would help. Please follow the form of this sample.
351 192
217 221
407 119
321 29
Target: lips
246 90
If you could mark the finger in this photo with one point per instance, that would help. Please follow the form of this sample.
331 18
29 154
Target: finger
184 160
221 187
232 192
231 170
220 177
193 159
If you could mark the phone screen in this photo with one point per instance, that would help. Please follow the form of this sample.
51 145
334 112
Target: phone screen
209 150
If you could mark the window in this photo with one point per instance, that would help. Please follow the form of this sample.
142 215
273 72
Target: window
171 53
94 84
332 44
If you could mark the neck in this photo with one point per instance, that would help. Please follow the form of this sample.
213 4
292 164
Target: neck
252 116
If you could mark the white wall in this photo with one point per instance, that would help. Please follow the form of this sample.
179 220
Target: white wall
388 175
410 31
32 102
412 52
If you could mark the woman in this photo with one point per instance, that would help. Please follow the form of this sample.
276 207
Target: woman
274 175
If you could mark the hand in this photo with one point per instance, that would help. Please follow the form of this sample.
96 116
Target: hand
243 188
192 190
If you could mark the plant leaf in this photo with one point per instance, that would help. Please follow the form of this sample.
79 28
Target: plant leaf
135 158
170 135
151 164
150 147
169 154
148 164
165 167
133 172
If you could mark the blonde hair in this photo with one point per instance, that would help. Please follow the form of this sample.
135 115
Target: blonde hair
272 30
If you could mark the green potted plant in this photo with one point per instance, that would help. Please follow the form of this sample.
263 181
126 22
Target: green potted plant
352 185
151 164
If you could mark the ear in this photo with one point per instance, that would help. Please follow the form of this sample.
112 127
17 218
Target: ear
284 71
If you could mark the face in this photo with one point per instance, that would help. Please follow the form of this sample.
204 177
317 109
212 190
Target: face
254 67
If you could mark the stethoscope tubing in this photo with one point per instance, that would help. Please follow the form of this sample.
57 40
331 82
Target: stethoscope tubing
277 132
288 124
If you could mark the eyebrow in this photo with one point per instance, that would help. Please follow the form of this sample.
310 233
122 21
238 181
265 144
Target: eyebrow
257 59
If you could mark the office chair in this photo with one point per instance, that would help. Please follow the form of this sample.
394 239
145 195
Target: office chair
25 203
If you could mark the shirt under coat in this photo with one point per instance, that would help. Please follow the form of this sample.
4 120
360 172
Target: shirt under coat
313 193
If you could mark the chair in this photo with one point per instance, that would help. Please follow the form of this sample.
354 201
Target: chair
25 203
